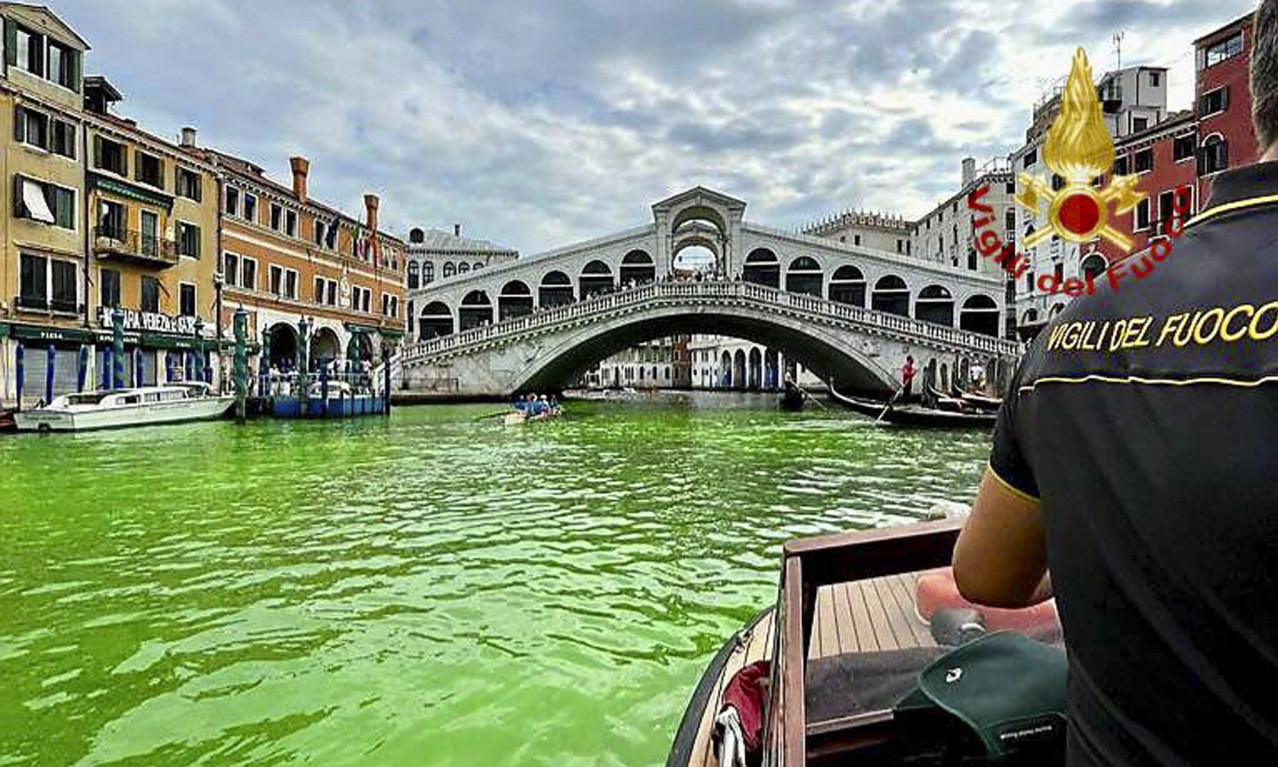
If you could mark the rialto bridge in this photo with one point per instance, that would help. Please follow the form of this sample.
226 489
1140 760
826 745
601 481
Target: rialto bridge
848 313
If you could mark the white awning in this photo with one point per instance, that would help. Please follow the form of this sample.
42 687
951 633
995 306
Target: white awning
33 199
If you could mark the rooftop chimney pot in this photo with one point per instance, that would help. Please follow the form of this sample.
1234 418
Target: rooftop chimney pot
457 230
188 137
301 168
969 170
371 202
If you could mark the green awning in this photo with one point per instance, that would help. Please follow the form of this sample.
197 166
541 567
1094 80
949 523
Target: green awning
163 341
44 333
130 191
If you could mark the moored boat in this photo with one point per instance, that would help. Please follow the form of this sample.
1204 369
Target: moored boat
915 415
144 406
833 673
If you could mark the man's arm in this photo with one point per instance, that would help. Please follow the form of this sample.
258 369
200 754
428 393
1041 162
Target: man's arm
1000 559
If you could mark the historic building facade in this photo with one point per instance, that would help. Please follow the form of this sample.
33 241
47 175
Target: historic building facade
1222 88
44 312
299 266
153 219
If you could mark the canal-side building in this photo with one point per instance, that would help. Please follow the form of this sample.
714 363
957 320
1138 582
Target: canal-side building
44 313
887 232
152 220
296 264
1133 100
1222 88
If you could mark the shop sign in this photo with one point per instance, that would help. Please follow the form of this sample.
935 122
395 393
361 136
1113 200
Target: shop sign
149 322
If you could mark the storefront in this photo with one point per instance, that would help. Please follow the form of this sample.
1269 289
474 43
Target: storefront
41 362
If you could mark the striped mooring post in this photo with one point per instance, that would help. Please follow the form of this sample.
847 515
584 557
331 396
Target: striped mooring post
239 369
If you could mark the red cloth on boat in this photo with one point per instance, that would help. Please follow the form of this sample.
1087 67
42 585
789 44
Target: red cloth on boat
937 590
747 694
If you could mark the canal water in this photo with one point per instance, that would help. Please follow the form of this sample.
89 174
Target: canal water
428 589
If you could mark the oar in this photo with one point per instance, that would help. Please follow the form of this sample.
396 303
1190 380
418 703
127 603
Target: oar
492 415
889 404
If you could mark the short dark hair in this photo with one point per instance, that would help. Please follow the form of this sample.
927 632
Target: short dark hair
1264 74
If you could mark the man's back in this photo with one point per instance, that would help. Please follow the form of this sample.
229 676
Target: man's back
1146 419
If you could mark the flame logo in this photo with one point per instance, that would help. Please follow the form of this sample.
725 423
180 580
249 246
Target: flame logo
1078 146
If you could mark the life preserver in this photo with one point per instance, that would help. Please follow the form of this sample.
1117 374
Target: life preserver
937 590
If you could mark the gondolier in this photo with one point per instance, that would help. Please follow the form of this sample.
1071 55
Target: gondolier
1134 454
908 371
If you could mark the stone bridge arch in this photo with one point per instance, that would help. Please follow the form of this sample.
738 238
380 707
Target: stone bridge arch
826 351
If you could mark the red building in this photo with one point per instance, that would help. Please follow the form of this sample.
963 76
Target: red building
1226 138
1189 147
1162 157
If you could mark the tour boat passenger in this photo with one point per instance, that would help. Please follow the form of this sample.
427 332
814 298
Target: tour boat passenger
1141 469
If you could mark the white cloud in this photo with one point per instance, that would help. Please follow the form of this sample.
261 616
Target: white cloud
538 123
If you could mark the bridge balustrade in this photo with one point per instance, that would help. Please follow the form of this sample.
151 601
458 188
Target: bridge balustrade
712 290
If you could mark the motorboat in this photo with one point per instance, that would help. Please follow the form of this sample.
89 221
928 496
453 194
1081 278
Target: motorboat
143 406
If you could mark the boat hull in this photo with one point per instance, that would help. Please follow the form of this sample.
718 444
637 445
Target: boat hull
123 416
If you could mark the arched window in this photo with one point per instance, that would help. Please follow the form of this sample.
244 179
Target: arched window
476 310
891 295
935 304
1093 265
449 269
428 272
1215 154
555 290
435 320
637 266
596 277
413 275
463 268
515 300
980 314
847 286
804 276
478 266
762 268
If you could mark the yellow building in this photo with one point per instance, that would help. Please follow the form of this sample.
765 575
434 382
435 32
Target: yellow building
153 224
42 232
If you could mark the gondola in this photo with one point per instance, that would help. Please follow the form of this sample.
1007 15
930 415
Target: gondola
831 673
915 415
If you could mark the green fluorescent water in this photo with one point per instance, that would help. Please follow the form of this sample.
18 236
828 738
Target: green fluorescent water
424 590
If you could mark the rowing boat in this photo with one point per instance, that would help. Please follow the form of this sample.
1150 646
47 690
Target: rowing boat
915 415
858 617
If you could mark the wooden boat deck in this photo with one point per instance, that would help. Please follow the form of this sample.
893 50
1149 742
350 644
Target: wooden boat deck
863 616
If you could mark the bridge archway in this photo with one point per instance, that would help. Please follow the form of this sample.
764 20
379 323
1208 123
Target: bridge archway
891 295
639 267
847 286
595 278
980 314
476 309
935 304
762 268
827 351
804 275
555 290
515 300
435 320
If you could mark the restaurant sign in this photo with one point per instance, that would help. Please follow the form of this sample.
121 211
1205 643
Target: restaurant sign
149 322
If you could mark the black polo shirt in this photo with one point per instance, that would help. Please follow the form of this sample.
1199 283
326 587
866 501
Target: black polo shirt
1145 418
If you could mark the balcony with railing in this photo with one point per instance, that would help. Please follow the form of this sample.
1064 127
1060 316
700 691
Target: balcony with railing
130 245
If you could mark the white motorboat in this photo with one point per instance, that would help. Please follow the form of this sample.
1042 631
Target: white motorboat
145 406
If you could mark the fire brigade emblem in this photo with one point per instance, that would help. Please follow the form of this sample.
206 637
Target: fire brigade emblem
1079 149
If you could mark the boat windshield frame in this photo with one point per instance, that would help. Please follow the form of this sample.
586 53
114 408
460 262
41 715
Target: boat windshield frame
808 564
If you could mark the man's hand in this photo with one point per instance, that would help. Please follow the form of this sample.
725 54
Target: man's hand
1000 559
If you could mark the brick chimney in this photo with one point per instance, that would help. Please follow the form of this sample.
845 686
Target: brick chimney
301 167
370 206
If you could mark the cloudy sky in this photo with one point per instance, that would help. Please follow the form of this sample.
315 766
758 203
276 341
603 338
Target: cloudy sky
535 123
